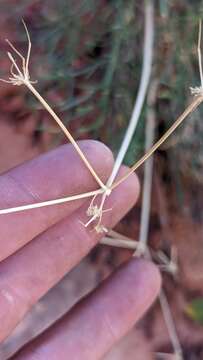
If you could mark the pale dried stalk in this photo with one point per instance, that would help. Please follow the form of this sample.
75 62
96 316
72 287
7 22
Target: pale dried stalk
195 103
169 265
116 235
50 202
126 244
170 325
199 53
145 76
144 82
22 77
66 132
142 248
148 171
169 321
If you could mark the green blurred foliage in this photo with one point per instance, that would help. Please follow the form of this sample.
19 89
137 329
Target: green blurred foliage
195 310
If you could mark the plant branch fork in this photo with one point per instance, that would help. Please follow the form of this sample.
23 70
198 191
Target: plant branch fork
22 77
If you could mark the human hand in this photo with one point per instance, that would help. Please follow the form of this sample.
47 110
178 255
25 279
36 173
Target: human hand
38 247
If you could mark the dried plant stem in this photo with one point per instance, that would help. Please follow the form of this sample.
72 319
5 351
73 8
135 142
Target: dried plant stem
170 325
142 248
50 202
196 102
66 132
127 244
148 171
116 239
116 235
145 76
21 76
199 53
168 319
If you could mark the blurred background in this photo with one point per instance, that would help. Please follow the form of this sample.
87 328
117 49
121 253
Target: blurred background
87 58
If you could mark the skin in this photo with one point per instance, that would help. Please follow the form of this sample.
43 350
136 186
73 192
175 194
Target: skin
38 247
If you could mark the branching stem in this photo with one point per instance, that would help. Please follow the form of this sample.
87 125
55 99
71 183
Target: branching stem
145 76
195 103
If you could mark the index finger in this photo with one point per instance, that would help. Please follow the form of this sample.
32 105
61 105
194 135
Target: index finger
55 174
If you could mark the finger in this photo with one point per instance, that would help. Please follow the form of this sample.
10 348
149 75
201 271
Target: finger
55 174
27 275
94 325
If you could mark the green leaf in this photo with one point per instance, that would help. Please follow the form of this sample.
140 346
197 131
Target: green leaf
195 310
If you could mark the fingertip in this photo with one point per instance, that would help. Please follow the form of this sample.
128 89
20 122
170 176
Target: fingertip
149 276
100 155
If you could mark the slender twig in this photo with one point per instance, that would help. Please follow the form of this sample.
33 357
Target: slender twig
50 202
116 235
170 325
195 103
145 76
168 318
148 170
66 132
115 239
22 77
199 53
127 244
146 211
169 265
142 248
